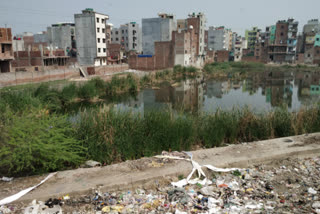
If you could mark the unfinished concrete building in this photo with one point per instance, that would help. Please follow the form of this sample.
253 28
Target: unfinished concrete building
157 30
6 54
62 36
91 37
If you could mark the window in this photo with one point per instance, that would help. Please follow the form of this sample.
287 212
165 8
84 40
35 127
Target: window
111 39
318 52
309 55
185 51
0 34
126 31
281 34
122 31
117 39
98 40
111 32
102 21
98 30
104 40
318 39
133 25
127 45
99 50
282 27
103 30
104 50
98 20
2 48
117 32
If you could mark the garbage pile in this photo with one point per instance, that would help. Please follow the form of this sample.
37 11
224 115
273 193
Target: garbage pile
288 186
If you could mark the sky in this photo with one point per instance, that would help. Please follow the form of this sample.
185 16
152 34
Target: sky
36 15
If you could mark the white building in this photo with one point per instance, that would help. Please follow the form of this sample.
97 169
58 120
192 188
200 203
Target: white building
129 36
240 44
91 37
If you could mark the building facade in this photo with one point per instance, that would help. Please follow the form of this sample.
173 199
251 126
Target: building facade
239 46
197 22
129 36
252 36
157 30
6 54
91 37
292 41
62 36
219 38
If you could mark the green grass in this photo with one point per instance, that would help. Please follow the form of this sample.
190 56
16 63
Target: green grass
226 67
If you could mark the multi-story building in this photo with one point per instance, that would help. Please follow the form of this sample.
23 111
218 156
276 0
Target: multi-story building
278 50
310 30
6 54
91 38
240 44
252 36
62 36
157 30
129 36
198 23
219 38
292 41
109 32
184 54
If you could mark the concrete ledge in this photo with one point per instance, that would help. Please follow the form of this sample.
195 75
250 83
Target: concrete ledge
140 173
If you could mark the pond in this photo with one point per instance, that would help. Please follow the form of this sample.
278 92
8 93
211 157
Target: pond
261 91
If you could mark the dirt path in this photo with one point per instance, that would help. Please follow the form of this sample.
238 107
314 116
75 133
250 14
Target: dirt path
147 172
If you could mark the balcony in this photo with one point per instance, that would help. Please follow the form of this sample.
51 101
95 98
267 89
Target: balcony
279 45
6 56
277 52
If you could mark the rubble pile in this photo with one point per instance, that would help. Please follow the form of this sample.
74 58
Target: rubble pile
288 186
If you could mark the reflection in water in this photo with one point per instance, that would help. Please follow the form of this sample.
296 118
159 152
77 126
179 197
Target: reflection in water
261 91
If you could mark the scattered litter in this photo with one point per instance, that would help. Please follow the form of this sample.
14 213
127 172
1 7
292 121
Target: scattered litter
312 191
91 163
289 187
6 179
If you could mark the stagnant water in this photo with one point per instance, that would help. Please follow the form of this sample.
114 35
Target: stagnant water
261 91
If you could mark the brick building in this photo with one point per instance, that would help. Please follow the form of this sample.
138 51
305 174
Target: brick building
197 22
278 50
162 59
6 54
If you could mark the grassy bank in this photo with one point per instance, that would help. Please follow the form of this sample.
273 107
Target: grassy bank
34 141
223 69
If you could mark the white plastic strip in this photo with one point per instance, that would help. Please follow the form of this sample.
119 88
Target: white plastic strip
195 167
23 192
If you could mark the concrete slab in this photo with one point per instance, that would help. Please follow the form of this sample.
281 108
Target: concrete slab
132 174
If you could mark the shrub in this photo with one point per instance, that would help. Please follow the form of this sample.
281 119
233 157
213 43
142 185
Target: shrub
68 93
37 142
87 91
99 84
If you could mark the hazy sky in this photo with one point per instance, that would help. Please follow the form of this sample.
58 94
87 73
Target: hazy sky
36 15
